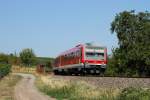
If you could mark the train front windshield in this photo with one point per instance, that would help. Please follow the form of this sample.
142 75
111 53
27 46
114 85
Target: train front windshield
94 53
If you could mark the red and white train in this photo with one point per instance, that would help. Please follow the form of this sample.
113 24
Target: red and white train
82 59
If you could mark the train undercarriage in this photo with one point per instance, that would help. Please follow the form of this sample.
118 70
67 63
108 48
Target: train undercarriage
81 70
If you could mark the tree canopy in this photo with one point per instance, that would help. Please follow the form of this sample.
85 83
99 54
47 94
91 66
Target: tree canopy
27 56
133 33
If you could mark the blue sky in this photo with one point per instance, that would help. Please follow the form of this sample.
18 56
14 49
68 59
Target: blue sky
52 26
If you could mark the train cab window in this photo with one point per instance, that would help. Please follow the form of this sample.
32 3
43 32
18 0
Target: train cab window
100 55
89 54
94 55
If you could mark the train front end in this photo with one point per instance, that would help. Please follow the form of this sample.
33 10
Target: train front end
94 59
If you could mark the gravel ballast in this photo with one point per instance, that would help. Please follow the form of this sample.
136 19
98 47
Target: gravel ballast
110 82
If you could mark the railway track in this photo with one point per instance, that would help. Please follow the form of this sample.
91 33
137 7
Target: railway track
109 82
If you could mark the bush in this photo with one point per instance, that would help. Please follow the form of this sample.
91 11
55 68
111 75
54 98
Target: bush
3 58
114 69
4 69
111 69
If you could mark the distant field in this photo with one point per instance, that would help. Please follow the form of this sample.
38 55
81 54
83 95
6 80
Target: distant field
23 69
31 69
43 60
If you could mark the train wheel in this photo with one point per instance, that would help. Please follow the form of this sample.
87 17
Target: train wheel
83 71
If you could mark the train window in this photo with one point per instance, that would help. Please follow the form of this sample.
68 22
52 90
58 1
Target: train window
100 55
79 53
88 54
72 54
95 55
69 55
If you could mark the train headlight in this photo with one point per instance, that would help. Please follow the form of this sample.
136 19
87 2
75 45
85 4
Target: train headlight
103 66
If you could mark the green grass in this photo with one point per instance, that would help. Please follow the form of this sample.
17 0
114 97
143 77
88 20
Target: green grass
134 94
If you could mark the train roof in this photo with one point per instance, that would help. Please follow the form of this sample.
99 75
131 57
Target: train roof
77 47
72 49
94 45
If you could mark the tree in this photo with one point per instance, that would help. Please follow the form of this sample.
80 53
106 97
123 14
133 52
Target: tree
133 33
27 57
13 59
3 58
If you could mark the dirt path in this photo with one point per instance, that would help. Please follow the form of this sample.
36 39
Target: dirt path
25 89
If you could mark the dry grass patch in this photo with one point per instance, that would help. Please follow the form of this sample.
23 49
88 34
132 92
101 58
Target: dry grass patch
74 90
81 90
23 69
7 86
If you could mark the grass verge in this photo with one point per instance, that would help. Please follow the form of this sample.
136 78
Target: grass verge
80 90
134 94
71 90
7 86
